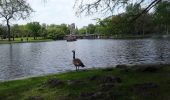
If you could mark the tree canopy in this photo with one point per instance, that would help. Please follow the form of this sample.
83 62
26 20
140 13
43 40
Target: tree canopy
14 9
109 6
149 23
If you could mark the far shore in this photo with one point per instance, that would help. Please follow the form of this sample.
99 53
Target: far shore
24 40
40 39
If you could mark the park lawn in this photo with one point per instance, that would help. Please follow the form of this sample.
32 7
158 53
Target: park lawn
88 85
30 39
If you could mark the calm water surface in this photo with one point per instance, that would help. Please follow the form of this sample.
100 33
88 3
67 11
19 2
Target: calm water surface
33 59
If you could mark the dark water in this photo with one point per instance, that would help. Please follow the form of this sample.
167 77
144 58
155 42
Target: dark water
33 59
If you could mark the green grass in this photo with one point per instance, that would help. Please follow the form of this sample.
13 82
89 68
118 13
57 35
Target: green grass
36 87
30 39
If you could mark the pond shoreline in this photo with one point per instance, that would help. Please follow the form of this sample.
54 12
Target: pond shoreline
123 66
153 78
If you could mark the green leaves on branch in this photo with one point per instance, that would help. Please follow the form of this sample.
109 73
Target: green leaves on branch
102 6
156 22
15 9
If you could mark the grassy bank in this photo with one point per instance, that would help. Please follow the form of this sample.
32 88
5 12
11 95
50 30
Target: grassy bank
98 84
30 39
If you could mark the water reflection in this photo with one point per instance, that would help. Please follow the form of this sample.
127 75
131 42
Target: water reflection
32 59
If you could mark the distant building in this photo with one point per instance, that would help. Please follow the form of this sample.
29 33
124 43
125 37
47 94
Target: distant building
72 28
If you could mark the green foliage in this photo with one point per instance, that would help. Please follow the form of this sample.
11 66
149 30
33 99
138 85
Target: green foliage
43 31
19 30
122 24
34 29
91 29
162 15
15 30
162 12
64 28
3 31
82 31
55 33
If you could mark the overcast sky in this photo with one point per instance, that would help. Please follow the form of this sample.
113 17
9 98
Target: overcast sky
56 12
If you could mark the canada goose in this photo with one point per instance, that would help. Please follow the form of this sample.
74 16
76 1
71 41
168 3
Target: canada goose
77 62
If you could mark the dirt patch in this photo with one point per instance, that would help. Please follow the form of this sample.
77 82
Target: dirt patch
75 82
35 98
106 79
96 96
106 86
54 82
145 86
140 68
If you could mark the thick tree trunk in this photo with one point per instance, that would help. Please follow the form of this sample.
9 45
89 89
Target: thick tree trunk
9 31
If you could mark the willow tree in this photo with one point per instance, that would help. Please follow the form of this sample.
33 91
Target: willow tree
14 9
107 7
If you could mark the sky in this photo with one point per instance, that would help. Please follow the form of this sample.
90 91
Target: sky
56 12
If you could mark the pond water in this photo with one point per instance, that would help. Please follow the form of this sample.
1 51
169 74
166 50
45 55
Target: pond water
34 59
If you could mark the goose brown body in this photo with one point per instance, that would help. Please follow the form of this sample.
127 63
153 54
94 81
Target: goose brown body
77 62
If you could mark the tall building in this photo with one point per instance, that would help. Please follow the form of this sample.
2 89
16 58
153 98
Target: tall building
72 28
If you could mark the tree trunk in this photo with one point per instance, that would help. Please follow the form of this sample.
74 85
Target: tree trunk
167 30
143 31
27 38
34 37
8 30
13 37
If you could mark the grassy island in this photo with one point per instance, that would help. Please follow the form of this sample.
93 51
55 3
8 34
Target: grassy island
149 82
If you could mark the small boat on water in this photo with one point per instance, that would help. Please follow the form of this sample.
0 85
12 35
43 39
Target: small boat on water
71 38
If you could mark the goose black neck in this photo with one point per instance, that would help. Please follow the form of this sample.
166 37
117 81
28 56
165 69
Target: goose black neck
73 55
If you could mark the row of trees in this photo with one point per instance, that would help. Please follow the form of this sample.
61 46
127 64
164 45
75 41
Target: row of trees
35 29
156 21
135 20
